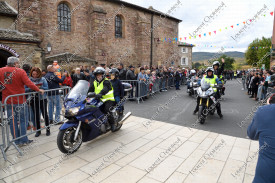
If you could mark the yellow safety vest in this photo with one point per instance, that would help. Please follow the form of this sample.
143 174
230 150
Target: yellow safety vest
212 81
99 87
235 74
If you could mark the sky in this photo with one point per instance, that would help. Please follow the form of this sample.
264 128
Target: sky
195 15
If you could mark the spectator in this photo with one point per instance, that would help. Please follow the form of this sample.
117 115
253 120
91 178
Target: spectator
122 72
78 76
57 68
38 102
81 68
243 80
13 80
255 84
44 72
131 76
177 79
53 96
262 128
68 80
87 75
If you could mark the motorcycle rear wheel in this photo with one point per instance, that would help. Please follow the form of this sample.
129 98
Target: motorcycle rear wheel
65 140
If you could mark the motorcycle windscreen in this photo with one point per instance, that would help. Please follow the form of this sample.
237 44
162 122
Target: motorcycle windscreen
78 93
205 85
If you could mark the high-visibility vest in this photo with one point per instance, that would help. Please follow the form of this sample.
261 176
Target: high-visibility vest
235 74
99 87
212 81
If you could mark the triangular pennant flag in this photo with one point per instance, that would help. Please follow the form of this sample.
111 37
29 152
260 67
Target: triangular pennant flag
250 20
204 34
220 30
225 27
264 15
189 37
195 37
185 38
215 32
210 33
180 38
237 24
271 13
232 26
243 22
200 35
176 39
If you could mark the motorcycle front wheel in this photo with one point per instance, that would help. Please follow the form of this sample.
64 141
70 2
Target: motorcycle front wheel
201 116
65 140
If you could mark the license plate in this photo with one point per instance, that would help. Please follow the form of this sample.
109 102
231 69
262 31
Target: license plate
213 98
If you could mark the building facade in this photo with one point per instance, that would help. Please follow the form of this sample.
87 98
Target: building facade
86 32
185 54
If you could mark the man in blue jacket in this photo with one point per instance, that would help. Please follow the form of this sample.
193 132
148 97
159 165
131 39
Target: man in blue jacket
53 96
262 128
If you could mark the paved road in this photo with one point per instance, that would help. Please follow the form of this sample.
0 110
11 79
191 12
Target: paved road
236 106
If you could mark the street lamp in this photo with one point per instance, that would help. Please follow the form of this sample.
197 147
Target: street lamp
49 47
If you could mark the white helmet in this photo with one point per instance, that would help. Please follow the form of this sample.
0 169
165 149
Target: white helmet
209 69
193 71
216 63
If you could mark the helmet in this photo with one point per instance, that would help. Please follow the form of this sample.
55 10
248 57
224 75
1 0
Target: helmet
99 70
209 69
115 72
193 71
216 63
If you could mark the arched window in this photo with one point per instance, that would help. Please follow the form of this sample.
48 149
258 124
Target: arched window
118 26
64 17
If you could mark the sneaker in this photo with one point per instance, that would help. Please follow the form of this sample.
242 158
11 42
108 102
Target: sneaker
26 143
194 113
48 133
221 116
38 134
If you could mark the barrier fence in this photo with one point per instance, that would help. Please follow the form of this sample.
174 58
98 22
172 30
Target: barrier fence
21 116
270 90
143 89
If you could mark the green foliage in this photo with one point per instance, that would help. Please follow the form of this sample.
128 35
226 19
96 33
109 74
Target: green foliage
228 62
196 65
257 57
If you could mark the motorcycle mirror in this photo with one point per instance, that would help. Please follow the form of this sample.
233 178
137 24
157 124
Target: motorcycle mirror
91 94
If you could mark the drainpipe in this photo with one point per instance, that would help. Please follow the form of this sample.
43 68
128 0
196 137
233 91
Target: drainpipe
152 39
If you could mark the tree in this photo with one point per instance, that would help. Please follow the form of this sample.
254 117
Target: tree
259 52
228 62
196 65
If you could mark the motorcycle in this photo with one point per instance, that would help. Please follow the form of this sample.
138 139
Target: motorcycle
193 86
86 121
207 103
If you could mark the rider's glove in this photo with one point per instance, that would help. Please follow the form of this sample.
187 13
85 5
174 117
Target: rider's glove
98 96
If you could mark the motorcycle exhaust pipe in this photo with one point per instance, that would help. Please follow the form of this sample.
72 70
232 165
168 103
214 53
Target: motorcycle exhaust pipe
125 117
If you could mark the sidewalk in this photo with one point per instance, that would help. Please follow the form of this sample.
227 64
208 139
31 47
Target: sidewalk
161 153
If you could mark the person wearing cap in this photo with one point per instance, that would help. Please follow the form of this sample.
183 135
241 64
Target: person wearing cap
262 128
13 79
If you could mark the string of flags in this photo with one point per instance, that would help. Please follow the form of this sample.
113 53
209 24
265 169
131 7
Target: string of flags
207 34
213 46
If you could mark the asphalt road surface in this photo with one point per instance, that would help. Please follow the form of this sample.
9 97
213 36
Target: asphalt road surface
236 107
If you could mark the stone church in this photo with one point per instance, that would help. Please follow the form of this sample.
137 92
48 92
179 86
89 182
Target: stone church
88 32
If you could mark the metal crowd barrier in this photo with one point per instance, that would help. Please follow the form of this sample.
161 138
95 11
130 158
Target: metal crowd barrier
24 113
143 89
270 90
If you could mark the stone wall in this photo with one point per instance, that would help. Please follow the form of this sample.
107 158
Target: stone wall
6 22
28 53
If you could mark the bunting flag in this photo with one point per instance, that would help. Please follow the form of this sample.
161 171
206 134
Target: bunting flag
214 46
215 32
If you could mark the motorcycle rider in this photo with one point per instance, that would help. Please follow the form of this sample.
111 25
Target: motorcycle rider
192 74
212 79
103 90
218 71
118 89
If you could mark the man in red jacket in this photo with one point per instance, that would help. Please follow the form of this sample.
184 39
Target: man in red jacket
12 80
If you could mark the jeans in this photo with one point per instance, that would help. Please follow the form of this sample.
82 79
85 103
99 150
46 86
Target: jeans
54 101
16 115
177 84
117 99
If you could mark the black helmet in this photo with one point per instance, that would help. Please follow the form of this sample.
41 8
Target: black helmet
99 70
216 63
115 72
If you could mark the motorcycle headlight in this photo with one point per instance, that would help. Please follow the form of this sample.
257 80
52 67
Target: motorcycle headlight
74 110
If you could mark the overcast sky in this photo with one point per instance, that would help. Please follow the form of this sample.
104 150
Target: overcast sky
193 14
